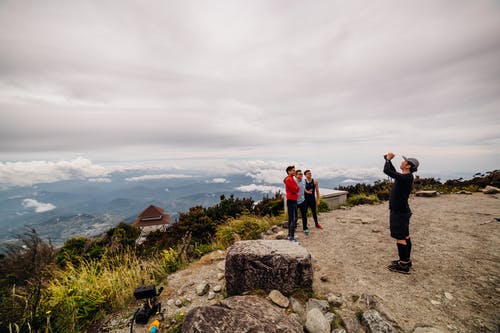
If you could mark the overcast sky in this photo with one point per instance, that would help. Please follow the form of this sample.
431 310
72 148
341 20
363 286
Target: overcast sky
332 84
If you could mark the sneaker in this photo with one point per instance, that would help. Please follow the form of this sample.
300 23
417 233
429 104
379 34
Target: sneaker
294 241
319 226
404 269
394 262
306 231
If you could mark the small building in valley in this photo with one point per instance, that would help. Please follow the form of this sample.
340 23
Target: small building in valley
151 219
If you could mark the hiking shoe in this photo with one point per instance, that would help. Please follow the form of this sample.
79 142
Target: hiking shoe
319 226
306 231
399 268
394 262
294 241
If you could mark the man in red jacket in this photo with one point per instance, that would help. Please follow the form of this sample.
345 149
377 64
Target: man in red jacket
292 194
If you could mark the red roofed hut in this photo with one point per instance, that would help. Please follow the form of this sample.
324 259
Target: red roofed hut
152 218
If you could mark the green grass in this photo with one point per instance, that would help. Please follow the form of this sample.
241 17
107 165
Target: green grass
361 199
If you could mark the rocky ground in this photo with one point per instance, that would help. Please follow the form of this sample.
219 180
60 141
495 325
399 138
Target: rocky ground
454 284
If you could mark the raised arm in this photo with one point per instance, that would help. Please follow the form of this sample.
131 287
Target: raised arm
389 169
318 198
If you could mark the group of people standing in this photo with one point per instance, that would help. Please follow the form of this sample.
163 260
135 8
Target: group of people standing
301 194
304 194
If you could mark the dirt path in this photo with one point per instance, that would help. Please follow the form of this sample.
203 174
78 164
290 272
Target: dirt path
456 249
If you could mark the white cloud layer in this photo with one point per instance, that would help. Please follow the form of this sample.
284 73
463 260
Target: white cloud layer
40 207
218 181
157 177
259 188
33 172
100 180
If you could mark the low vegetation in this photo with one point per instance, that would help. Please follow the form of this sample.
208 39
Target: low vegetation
43 289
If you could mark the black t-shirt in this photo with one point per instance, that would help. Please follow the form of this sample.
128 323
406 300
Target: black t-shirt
401 189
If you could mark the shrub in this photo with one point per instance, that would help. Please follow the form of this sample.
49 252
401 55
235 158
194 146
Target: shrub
270 206
245 227
323 207
362 199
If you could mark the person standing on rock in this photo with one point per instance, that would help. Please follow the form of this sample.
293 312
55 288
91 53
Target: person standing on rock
301 202
400 212
312 198
292 194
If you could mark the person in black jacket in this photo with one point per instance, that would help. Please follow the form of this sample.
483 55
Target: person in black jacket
400 212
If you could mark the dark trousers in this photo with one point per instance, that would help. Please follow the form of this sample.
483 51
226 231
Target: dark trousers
291 206
311 202
303 212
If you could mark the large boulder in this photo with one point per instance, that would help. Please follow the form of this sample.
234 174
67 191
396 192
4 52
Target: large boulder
268 265
375 323
491 190
240 314
427 194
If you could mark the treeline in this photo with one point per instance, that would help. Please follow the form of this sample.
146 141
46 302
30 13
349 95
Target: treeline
66 290
363 193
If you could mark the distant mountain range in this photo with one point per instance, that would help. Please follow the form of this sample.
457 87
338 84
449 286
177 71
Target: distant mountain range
66 209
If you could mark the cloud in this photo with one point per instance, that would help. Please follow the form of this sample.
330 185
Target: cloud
218 181
100 180
40 207
33 172
157 177
329 82
259 188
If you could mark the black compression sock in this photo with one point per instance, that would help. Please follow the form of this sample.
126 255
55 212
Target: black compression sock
408 245
403 252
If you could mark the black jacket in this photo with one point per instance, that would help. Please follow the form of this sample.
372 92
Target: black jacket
401 189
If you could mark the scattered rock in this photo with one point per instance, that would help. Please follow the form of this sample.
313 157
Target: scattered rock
299 309
351 323
433 302
491 190
339 330
368 221
330 317
178 303
280 235
375 230
324 278
277 298
275 228
269 232
319 304
335 300
220 276
448 296
242 314
316 322
427 330
217 288
221 266
375 323
268 265
464 192
202 288
284 225
427 194
368 301
170 302
211 295
180 292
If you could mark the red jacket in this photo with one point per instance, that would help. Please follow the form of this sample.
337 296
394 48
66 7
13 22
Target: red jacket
292 189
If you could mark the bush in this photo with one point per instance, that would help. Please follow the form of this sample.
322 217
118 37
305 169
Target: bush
362 199
270 206
243 228
323 207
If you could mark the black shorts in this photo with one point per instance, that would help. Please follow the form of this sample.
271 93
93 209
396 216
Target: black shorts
400 224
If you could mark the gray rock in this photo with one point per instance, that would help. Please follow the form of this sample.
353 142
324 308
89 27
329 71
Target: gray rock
243 314
375 323
275 228
351 322
427 330
220 276
330 317
319 304
491 190
427 194
280 235
339 330
277 298
211 295
202 288
448 295
178 303
316 322
218 288
299 309
221 265
170 302
268 265
336 300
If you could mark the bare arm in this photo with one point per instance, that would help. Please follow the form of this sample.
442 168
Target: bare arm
318 198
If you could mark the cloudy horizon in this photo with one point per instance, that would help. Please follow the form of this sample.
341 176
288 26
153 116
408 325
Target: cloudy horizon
210 85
